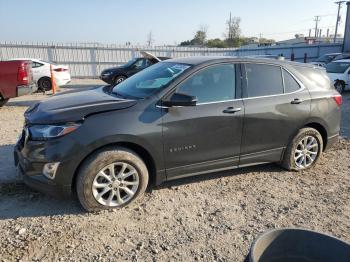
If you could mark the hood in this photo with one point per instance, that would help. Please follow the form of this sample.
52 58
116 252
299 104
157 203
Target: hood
74 106
112 69
149 55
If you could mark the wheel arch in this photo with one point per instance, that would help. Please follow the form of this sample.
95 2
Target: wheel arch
43 77
321 129
140 150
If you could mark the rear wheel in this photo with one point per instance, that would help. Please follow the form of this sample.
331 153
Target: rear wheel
44 84
119 79
304 150
339 86
112 178
3 101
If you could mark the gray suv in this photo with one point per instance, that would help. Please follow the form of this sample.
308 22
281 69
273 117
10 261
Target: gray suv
177 118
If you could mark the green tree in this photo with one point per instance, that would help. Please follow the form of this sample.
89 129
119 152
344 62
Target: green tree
217 42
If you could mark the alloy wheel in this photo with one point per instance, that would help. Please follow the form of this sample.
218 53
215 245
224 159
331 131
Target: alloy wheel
119 80
115 184
306 152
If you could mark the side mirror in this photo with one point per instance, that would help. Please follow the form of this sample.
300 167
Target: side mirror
179 99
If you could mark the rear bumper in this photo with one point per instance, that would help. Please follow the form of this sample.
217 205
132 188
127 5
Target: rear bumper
62 82
26 89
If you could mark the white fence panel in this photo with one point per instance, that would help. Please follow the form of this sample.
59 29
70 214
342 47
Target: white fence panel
88 60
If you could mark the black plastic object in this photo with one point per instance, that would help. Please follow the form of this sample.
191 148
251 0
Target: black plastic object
291 245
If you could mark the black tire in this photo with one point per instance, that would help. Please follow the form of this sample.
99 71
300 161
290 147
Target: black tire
3 101
289 161
339 86
44 84
118 79
95 163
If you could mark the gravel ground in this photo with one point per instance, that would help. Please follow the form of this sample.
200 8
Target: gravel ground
212 217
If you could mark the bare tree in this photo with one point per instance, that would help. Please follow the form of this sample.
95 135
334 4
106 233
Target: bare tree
150 39
200 37
233 28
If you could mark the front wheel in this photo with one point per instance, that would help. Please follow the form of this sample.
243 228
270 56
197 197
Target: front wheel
44 84
119 79
304 150
3 101
112 178
339 86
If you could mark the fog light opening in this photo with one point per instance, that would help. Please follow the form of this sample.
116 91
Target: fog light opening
50 169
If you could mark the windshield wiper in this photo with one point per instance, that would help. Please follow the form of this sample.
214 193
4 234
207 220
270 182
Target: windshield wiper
125 96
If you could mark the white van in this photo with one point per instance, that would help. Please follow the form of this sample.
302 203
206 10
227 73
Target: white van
339 72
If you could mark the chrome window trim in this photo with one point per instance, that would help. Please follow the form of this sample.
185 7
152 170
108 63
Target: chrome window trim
219 102
200 104
256 97
302 86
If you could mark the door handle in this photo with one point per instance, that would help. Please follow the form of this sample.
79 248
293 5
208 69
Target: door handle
296 101
231 110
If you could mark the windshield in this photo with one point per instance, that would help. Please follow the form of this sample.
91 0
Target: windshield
337 67
130 62
325 58
150 80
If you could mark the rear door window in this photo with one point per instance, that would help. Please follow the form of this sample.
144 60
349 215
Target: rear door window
36 64
263 80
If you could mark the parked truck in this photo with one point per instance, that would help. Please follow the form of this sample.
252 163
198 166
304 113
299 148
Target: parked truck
16 79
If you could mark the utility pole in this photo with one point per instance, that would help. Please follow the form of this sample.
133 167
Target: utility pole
317 19
339 3
229 28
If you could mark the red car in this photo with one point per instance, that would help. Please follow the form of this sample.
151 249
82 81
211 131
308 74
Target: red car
16 79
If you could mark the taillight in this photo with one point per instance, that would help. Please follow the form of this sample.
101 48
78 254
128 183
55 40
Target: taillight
22 75
338 99
60 69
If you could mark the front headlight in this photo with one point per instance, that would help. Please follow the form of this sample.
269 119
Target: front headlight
45 132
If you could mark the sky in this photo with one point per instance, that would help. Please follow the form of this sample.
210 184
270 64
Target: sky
171 22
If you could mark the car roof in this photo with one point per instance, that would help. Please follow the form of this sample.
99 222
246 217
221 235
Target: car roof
197 60
30 59
342 61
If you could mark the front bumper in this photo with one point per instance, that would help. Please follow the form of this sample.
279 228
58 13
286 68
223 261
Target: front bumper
26 89
107 79
42 184
30 158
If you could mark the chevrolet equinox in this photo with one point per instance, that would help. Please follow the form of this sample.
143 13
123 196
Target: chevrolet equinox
177 118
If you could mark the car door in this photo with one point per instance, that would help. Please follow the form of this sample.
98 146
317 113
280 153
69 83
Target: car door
276 106
207 136
36 70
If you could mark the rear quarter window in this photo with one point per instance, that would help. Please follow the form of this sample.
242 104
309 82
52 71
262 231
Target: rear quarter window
290 84
315 77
